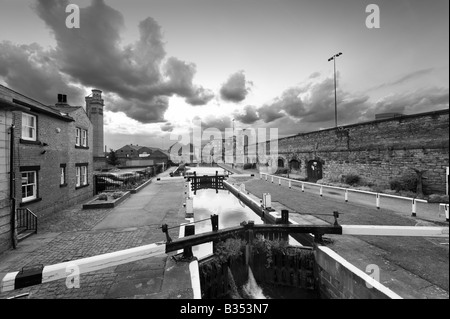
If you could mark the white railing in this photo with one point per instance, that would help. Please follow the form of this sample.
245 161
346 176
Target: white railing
378 196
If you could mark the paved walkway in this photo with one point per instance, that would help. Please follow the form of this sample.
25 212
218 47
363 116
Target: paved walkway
77 233
413 267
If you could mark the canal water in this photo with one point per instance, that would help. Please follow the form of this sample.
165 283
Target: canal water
229 208
232 212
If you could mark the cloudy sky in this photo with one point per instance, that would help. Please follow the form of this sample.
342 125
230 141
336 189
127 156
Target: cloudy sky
163 63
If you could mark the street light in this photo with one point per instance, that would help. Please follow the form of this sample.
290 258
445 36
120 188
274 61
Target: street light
335 94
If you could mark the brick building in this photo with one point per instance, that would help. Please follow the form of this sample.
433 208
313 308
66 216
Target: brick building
51 154
136 156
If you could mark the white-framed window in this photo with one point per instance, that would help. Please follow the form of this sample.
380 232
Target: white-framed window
29 186
82 175
84 138
78 137
81 138
29 127
62 175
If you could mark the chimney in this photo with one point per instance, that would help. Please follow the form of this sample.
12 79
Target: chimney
62 100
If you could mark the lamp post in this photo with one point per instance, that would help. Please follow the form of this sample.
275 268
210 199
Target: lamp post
335 94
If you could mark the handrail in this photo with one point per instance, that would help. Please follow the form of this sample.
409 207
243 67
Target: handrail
27 219
378 196
344 188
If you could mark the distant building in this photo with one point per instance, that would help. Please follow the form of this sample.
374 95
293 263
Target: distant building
46 157
140 156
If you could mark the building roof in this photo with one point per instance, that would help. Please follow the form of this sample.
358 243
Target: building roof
33 105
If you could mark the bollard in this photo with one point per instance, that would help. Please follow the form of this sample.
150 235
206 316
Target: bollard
189 230
267 201
303 187
321 191
242 188
279 181
266 177
272 179
346 196
290 184
378 201
413 214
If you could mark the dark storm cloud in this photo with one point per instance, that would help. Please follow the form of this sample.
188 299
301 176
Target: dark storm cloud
180 81
94 56
236 88
42 80
248 116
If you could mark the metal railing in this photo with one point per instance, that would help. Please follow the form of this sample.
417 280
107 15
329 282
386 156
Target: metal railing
378 196
122 181
26 220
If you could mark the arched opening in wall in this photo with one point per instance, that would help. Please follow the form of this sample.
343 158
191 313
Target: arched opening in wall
314 171
280 162
294 165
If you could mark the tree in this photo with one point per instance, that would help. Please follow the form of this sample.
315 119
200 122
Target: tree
112 158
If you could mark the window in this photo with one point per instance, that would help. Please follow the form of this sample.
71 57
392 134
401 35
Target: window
62 170
82 175
81 138
29 186
29 127
78 137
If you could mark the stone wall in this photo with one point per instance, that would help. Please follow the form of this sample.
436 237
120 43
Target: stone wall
338 279
377 151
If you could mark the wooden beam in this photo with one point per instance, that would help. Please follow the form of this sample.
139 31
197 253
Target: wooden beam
413 231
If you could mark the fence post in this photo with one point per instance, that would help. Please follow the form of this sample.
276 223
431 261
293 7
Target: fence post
413 208
378 201
279 181
290 184
321 191
266 177
346 195
272 179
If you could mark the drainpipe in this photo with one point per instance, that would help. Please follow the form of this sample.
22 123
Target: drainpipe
12 188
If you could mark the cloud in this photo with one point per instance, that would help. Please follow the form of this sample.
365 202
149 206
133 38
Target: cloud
34 72
406 78
220 123
248 116
422 100
139 75
180 82
167 127
236 88
314 75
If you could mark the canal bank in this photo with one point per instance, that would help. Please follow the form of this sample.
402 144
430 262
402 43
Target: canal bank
79 234
396 257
